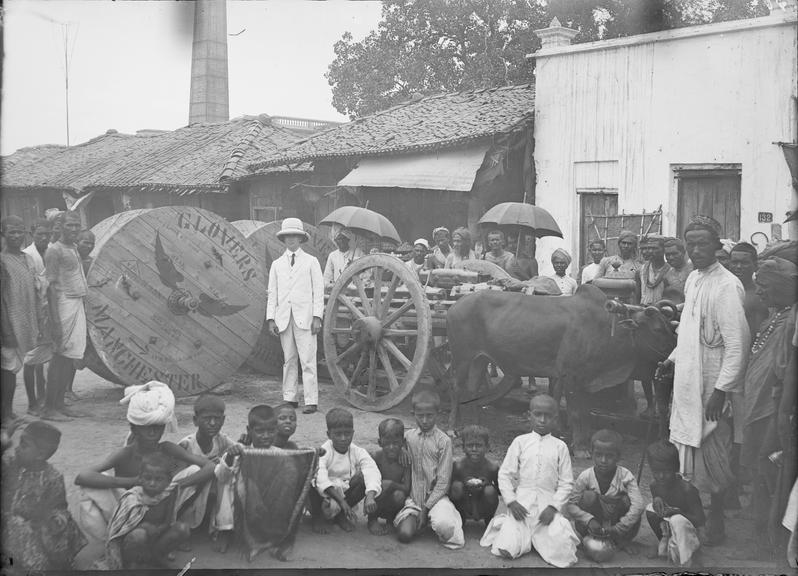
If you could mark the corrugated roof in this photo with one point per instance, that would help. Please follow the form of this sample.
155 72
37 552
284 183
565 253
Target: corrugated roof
434 122
200 157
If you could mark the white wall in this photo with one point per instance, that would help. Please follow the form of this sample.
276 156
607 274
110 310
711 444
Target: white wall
720 93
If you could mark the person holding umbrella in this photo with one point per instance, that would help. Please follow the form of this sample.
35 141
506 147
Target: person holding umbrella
339 259
294 312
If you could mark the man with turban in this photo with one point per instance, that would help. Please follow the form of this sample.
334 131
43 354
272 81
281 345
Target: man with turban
765 380
560 260
709 361
150 413
627 261
339 259
441 238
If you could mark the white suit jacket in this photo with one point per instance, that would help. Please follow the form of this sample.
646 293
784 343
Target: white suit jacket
297 289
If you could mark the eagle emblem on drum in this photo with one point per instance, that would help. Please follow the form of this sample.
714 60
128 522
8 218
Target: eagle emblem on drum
181 301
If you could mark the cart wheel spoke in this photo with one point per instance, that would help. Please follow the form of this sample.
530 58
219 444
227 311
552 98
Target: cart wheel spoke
347 301
377 273
386 364
395 281
347 330
398 354
397 333
359 367
361 290
348 352
372 389
396 314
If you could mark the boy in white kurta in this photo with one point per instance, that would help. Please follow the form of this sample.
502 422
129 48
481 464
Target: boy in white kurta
346 475
535 481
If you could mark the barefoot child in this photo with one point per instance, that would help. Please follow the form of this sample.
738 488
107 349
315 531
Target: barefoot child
430 452
142 530
395 475
535 480
606 499
150 410
211 443
676 512
38 530
475 478
346 475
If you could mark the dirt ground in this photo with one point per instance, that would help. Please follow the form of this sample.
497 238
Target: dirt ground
89 439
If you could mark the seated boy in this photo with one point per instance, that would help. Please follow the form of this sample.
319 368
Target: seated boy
38 530
263 497
211 443
535 480
395 475
676 512
430 451
142 530
606 499
150 410
475 477
346 475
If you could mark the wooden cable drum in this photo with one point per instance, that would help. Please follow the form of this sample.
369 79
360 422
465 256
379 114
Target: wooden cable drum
176 294
267 355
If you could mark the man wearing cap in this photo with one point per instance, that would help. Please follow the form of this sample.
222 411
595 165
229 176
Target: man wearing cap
652 276
420 250
294 311
339 259
709 360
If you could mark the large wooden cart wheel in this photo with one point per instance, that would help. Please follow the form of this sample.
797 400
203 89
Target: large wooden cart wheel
377 331
176 294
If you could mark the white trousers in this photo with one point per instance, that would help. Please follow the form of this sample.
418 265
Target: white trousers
299 344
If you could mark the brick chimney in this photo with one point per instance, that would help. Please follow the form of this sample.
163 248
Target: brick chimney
555 35
209 101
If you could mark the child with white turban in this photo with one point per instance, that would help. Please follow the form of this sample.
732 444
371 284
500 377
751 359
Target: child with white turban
150 413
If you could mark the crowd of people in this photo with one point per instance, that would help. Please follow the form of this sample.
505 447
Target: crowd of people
732 416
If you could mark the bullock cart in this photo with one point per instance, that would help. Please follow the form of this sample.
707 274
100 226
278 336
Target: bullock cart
384 331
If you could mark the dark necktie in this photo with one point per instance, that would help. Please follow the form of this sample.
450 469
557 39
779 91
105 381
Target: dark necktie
293 259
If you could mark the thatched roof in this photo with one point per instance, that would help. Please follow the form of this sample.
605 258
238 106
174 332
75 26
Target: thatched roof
197 158
431 123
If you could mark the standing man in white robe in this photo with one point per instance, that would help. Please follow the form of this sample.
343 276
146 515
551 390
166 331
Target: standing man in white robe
339 259
294 311
709 361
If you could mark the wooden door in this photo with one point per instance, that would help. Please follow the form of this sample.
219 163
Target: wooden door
594 205
710 193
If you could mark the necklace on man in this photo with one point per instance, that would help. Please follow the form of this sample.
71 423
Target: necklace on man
763 335
658 276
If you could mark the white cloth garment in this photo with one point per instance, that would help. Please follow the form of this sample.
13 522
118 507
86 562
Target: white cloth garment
682 542
566 284
72 314
337 262
444 519
536 473
589 272
299 343
710 352
336 469
296 290
43 352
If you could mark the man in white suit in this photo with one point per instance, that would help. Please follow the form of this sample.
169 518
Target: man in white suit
294 312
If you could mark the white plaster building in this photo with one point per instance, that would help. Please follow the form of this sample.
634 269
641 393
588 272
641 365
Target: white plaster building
686 118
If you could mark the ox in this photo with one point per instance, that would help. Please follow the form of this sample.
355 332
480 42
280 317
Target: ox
569 338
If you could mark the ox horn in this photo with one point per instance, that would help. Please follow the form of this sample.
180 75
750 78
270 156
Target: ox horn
668 308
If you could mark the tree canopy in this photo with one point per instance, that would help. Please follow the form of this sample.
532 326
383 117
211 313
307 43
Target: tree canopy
429 46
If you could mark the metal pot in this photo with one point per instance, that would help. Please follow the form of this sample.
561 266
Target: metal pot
598 548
